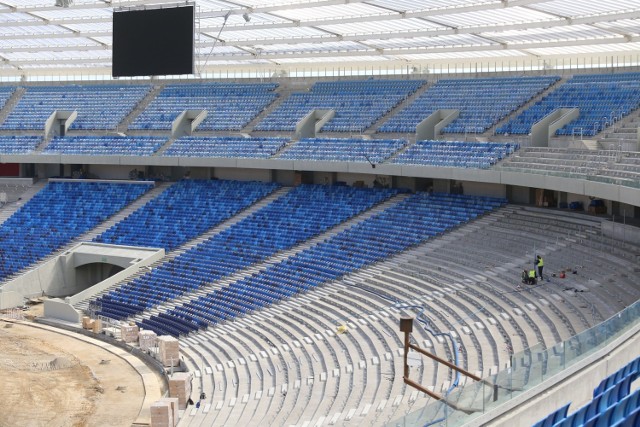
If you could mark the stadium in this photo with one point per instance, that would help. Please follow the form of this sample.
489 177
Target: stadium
341 212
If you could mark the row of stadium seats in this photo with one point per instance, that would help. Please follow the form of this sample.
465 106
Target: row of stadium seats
455 154
226 146
184 211
105 145
403 225
57 214
293 218
358 104
18 144
344 149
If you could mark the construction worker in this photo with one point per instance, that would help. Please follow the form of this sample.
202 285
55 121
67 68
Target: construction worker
532 277
540 264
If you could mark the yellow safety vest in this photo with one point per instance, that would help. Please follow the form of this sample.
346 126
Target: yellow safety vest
540 262
532 274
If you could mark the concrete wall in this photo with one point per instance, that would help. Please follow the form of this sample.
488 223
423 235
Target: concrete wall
519 194
89 274
484 189
58 309
243 174
110 171
286 178
621 232
58 276
350 178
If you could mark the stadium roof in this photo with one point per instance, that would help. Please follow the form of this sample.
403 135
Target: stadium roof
39 38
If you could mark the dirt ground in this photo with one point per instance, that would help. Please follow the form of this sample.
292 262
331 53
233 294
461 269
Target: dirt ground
49 379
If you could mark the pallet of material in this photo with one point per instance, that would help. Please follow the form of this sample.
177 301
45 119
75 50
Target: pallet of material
147 339
129 333
174 404
168 350
180 387
161 414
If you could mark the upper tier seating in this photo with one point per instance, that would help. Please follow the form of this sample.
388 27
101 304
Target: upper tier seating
344 149
357 104
58 213
98 106
19 144
225 146
455 153
600 98
105 145
184 211
482 102
403 225
293 218
229 106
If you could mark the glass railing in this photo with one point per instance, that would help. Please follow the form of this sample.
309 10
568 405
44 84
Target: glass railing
528 369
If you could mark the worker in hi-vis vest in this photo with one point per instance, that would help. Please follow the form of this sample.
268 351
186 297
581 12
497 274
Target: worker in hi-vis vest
540 264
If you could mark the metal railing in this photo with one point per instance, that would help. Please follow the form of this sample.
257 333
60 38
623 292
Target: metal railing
527 369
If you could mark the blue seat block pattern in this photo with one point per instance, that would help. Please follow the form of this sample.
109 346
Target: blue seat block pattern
599 97
357 104
18 144
98 106
482 102
613 403
460 154
291 219
405 224
343 149
55 215
184 211
105 145
229 106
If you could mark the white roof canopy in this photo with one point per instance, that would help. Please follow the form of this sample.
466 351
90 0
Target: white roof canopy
37 37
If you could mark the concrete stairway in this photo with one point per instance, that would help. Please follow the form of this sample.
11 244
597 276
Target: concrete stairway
144 103
624 132
401 106
284 92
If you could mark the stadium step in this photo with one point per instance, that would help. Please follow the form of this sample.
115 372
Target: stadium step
142 105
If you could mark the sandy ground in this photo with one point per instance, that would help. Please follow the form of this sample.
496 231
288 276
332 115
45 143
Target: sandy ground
49 379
